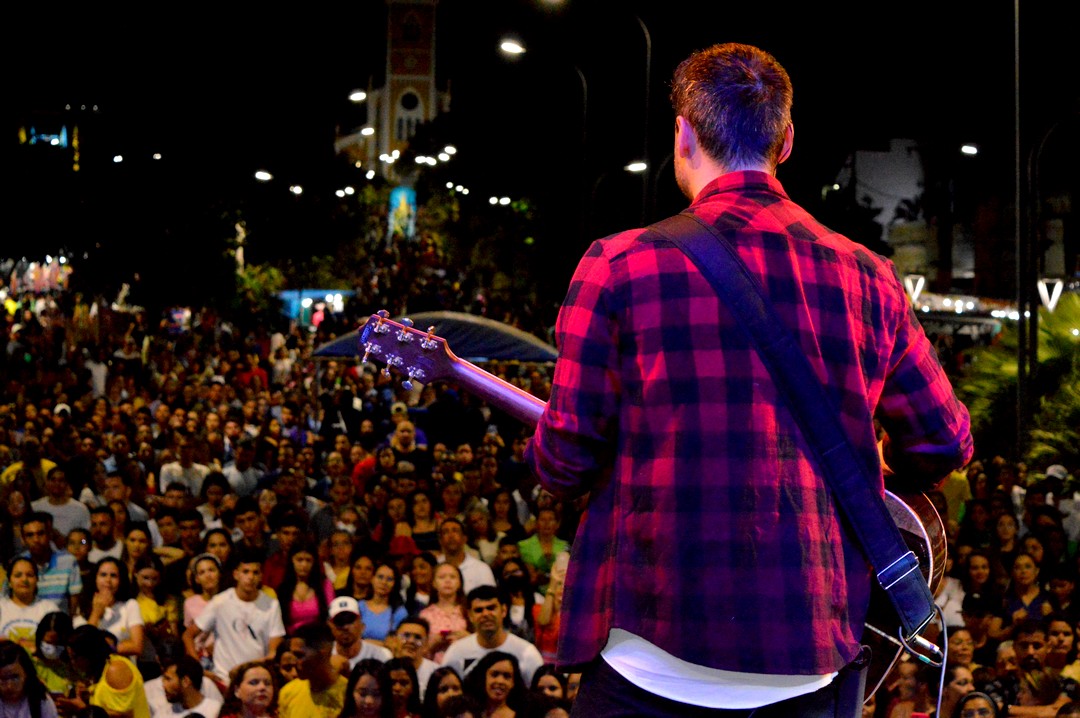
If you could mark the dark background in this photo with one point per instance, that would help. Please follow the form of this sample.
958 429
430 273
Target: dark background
221 92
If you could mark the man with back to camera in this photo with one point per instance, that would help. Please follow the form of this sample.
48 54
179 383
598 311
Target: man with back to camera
712 573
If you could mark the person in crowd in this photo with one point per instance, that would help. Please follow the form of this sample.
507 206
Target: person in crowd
958 682
18 507
481 535
245 621
336 567
364 697
319 690
961 649
252 692
1005 541
539 550
21 608
304 593
138 543
243 473
58 575
251 522
420 515
505 517
383 610
397 680
910 690
182 684
497 684
219 543
68 512
204 580
51 660
185 469
340 497
474 572
21 691
977 613
103 534
443 684
487 613
288 530
215 498
409 642
515 582
975 705
547 615
1062 653
421 589
1024 599
1040 687
160 612
111 606
550 681
347 627
358 584
446 614
115 683
401 551
78 545
28 473
285 663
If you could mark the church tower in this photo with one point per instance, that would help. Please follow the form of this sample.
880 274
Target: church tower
409 95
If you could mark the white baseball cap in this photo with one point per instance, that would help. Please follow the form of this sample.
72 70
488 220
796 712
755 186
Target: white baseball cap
344 604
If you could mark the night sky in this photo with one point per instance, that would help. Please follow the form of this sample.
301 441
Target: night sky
222 92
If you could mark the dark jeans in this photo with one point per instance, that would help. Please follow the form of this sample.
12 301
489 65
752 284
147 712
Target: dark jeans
604 693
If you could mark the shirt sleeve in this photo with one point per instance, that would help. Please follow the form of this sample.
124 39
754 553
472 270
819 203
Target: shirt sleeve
928 429
206 618
575 437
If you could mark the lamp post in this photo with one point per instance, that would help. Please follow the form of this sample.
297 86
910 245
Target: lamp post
645 141
513 48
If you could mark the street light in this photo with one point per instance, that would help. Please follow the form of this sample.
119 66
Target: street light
513 47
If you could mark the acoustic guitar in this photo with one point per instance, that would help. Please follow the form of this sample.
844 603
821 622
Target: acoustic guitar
425 357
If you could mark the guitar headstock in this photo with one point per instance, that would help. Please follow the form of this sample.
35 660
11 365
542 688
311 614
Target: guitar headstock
417 354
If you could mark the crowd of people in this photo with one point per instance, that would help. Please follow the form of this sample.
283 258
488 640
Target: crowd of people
206 521
1010 612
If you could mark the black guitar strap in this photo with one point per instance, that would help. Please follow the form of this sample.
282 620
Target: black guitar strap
864 508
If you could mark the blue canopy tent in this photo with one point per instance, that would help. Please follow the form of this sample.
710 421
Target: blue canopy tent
470 337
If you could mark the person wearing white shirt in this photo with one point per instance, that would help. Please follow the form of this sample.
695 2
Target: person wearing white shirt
474 572
67 512
348 628
245 621
487 613
179 691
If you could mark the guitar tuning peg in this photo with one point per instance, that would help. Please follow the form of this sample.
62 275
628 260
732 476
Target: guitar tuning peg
407 385
383 314
406 322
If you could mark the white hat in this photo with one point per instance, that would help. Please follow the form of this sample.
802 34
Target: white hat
344 604
62 408
1057 471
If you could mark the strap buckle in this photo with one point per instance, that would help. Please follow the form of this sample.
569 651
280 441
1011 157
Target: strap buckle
897 570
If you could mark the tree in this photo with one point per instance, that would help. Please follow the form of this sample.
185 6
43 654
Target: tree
988 389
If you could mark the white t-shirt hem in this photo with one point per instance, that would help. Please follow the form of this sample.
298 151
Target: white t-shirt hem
657 671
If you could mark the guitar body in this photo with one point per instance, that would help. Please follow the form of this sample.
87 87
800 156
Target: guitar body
924 533
425 357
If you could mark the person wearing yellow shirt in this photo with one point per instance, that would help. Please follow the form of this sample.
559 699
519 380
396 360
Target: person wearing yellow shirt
319 689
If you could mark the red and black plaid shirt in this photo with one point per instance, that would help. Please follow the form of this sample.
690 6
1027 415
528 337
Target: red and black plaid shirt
709 530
